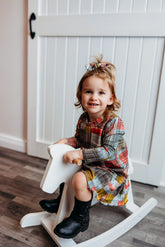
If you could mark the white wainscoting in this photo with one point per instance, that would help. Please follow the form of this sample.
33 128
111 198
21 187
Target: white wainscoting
13 142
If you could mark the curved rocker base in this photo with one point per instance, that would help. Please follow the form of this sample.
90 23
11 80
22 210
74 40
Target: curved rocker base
48 222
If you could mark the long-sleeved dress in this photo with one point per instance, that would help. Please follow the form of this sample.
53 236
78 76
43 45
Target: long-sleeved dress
105 157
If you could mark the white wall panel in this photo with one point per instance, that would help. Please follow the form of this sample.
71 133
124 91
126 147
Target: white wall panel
125 6
86 6
153 5
111 6
131 85
108 48
74 7
143 98
151 102
63 7
52 7
63 62
120 60
57 7
98 6
70 87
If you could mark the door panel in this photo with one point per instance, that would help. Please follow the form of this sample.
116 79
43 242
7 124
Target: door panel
57 61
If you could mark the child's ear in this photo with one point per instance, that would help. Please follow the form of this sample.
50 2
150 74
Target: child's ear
111 100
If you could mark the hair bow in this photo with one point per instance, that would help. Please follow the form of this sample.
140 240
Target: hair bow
101 66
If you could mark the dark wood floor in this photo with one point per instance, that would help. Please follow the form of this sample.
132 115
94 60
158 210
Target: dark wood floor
20 193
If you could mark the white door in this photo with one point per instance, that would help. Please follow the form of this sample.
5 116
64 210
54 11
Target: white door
131 35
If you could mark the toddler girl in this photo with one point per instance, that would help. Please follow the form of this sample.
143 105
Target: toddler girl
103 150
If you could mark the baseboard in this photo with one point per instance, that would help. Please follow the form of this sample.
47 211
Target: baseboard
13 143
162 183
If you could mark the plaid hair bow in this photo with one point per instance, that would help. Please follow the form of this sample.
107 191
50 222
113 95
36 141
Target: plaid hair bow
101 66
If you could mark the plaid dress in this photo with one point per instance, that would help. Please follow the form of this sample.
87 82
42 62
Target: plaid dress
105 158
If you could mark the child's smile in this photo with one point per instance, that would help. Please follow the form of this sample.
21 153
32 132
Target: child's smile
93 104
96 95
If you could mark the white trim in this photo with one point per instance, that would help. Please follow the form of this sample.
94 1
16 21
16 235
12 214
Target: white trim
126 24
13 143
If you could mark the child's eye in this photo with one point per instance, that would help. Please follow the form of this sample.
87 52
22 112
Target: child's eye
88 91
101 92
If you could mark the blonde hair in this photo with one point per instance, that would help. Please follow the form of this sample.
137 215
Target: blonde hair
107 72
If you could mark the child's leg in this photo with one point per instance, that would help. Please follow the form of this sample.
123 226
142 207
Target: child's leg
80 187
78 221
52 206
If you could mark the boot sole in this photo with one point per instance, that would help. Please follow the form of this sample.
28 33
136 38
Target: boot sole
71 236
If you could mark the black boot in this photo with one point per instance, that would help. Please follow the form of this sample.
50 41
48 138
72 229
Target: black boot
77 222
52 206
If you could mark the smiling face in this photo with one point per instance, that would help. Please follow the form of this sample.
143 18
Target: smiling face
96 96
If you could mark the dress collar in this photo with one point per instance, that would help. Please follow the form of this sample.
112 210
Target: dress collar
95 122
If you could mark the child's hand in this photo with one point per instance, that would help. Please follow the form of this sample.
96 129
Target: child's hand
70 141
62 141
70 156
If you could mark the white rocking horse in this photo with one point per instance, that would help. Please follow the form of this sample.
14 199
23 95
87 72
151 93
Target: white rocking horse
58 172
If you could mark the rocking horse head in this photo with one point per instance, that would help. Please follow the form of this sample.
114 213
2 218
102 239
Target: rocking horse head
57 171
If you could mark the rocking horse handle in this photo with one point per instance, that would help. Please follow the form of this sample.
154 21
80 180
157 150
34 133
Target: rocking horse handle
77 162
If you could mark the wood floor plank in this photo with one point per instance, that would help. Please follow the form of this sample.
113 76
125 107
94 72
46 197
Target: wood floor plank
20 193
9 226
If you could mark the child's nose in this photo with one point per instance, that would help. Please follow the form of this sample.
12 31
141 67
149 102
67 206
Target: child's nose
94 96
